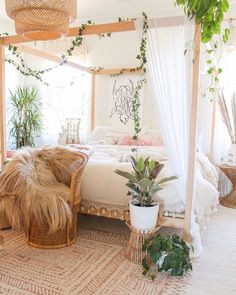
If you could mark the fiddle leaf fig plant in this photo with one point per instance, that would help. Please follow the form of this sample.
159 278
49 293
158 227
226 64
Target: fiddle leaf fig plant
142 182
166 253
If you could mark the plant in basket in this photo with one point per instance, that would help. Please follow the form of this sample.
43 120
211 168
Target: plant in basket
143 186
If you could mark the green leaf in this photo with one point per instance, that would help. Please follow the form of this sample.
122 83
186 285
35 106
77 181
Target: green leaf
166 179
210 70
145 264
126 175
166 253
151 165
140 164
209 51
155 255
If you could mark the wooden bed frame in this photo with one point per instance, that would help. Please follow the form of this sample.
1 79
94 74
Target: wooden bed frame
103 29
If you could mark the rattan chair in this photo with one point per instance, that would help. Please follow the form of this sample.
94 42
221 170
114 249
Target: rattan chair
40 236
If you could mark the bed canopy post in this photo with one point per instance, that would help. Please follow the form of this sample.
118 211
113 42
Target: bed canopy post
2 104
192 136
92 124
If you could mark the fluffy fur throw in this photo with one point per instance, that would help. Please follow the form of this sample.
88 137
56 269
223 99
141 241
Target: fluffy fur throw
35 185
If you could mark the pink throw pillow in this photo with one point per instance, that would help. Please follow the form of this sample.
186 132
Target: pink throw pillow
142 141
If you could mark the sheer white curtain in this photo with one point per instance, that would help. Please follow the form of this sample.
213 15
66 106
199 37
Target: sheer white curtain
228 86
169 77
68 96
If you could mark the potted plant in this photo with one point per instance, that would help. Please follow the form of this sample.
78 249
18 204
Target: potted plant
166 253
26 120
143 185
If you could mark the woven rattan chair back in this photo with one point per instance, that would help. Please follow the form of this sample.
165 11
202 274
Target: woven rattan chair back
41 237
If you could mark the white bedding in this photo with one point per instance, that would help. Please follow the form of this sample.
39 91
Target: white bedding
101 186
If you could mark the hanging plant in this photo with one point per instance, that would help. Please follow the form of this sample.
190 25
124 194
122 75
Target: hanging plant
210 15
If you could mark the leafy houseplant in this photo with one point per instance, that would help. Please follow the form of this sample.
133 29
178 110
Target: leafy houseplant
166 253
210 15
26 119
143 185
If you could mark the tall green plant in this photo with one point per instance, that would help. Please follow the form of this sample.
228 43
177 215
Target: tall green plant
26 120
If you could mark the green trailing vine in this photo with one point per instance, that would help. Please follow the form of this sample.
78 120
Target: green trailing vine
136 107
210 15
213 69
25 70
77 42
142 57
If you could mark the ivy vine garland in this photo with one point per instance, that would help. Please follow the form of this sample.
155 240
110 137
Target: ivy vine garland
77 42
208 13
142 57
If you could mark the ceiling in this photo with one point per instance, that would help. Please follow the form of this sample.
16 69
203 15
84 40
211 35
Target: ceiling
103 10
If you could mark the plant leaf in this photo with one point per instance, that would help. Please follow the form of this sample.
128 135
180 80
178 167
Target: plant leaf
127 175
166 179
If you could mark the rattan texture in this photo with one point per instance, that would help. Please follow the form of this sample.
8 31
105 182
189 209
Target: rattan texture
230 199
36 19
41 237
137 237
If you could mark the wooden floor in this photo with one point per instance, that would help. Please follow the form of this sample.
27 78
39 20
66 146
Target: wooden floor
214 273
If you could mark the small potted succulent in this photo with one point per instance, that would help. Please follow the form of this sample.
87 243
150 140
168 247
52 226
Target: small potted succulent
143 186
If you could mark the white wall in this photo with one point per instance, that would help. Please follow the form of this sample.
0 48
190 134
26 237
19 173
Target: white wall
118 51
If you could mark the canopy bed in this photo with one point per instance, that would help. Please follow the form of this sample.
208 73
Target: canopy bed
180 143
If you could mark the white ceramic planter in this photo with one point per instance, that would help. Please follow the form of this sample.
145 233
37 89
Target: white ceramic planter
143 218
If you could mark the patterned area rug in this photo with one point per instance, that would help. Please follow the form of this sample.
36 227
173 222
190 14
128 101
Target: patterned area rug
96 264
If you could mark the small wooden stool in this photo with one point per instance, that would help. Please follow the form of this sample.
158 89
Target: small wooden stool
136 240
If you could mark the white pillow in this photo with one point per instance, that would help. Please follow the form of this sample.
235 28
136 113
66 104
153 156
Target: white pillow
100 133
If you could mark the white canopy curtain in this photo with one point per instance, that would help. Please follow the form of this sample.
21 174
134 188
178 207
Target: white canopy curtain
68 96
169 77
228 87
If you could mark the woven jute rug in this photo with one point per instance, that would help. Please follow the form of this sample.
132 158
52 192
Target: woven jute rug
96 264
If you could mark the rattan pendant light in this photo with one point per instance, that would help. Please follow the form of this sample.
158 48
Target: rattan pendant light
42 19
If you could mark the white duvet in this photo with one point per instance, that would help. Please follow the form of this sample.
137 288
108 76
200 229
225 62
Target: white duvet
101 186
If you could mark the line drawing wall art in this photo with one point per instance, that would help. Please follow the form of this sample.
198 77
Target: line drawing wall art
122 101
